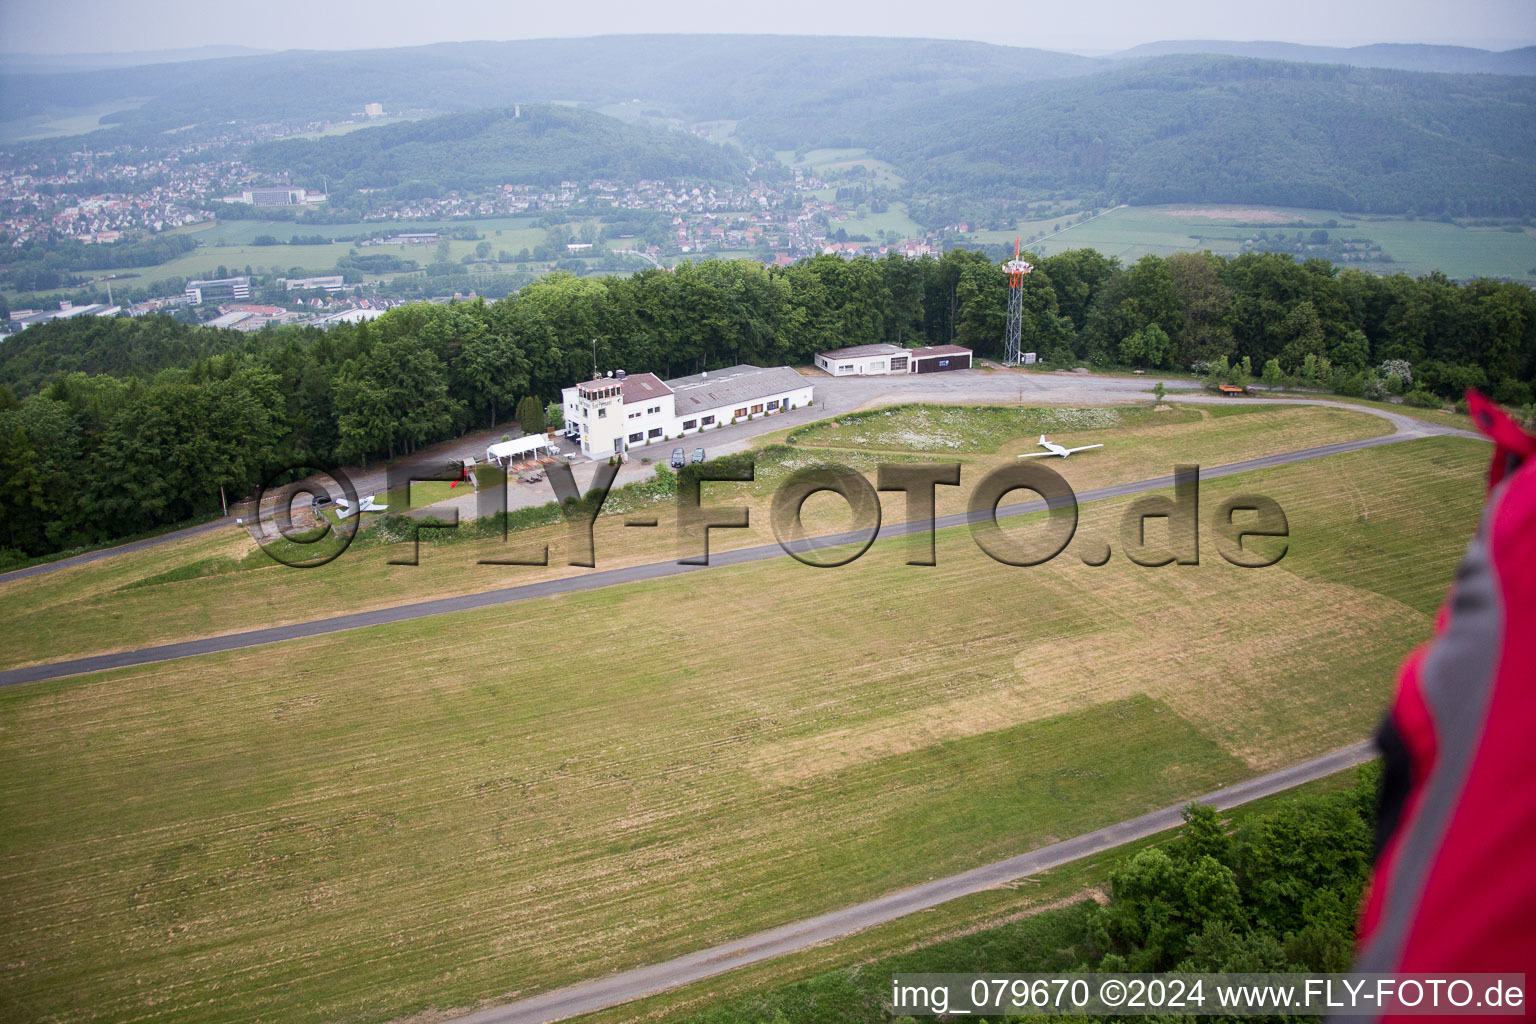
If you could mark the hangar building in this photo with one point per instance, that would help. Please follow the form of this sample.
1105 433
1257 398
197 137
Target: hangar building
884 359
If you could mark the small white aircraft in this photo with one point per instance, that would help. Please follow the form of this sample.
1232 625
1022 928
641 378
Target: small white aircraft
366 505
1052 448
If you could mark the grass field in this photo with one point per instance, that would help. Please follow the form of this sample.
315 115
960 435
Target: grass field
86 610
1416 246
970 919
241 232
486 804
228 244
63 122
830 164
894 222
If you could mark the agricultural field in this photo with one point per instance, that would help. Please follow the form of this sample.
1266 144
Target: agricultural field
490 803
1416 246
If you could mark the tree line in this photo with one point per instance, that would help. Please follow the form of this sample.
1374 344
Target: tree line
110 427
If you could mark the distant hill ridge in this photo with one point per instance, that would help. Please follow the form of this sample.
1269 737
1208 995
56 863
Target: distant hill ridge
1401 56
533 144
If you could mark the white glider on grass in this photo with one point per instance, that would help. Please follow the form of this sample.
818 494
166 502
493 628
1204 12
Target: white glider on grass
1052 448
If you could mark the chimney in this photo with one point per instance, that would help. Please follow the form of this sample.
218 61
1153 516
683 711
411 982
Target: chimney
621 375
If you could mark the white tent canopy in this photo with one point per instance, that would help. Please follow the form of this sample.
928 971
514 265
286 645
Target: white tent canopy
518 448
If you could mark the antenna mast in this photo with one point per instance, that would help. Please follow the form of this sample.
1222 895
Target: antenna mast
1015 268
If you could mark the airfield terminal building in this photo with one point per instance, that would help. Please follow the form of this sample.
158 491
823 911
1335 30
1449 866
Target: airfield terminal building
618 413
883 359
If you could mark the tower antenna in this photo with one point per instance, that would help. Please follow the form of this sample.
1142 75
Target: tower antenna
1015 268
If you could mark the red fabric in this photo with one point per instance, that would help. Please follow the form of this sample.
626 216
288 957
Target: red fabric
1505 433
1476 908
1477 911
1417 728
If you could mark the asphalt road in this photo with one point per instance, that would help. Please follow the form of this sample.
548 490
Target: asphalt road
612 577
120 549
589 996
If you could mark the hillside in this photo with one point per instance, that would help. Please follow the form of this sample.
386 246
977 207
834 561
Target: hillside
542 145
699 77
1221 129
1461 60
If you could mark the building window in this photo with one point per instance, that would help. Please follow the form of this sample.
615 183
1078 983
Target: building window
690 424
707 420
739 413
757 408
601 413
845 368
773 404
878 364
655 431
636 438
898 363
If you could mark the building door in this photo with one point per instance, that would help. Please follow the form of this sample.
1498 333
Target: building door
618 446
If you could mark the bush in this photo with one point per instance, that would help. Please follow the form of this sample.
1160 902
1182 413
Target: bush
1351 385
1422 399
1399 368
1273 376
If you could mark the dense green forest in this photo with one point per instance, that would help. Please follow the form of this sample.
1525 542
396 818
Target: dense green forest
115 426
1229 129
1277 893
540 145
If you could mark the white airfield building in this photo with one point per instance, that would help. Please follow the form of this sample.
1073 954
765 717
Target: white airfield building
884 359
614 414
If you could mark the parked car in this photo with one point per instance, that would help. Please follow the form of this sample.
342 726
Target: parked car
698 455
677 458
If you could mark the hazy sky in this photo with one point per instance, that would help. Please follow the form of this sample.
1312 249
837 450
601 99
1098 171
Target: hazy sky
76 26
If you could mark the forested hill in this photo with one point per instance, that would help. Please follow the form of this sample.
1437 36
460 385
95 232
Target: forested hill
696 77
1461 60
537 145
1223 129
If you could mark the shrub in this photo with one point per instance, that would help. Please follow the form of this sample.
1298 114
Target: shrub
1399 368
1374 387
1422 399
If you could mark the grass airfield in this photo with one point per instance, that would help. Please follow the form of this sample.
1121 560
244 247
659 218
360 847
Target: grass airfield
114 605
486 804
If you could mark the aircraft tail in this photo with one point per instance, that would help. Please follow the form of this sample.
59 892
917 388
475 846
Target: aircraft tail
1042 439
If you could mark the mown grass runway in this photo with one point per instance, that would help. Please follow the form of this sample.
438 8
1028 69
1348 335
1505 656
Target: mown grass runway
220 583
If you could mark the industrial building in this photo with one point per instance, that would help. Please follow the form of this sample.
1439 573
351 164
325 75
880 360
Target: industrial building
330 282
884 359
218 288
621 412
280 196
